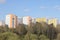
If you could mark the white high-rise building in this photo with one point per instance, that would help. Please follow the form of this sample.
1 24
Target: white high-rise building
27 20
11 20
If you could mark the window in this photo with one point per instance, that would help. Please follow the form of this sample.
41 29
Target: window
13 22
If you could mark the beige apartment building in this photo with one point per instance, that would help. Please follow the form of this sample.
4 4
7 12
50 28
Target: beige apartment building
53 21
11 20
41 20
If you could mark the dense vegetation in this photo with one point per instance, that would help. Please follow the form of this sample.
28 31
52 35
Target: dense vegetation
38 31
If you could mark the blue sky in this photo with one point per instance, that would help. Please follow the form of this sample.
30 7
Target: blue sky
33 8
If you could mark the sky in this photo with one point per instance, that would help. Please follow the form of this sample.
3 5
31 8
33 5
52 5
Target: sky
33 8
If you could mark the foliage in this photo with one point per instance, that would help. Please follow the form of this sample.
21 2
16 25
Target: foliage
58 37
38 31
43 37
8 36
21 30
30 36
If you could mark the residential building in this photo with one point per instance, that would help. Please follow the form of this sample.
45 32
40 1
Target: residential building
27 20
41 20
53 21
11 20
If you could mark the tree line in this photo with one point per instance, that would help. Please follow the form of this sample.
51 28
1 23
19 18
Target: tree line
37 31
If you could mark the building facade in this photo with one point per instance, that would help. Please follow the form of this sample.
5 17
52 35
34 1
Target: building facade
41 20
53 21
27 20
11 20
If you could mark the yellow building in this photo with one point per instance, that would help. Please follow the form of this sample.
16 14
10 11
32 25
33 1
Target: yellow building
53 21
41 20
11 20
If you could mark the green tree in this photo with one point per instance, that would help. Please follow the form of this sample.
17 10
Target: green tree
30 36
9 36
31 28
43 37
38 28
21 30
51 32
58 37
58 28
34 37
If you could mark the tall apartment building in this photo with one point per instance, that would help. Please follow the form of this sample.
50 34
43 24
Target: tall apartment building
11 20
41 20
27 20
53 21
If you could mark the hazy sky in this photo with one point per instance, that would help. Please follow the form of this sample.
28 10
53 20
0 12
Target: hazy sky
33 8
